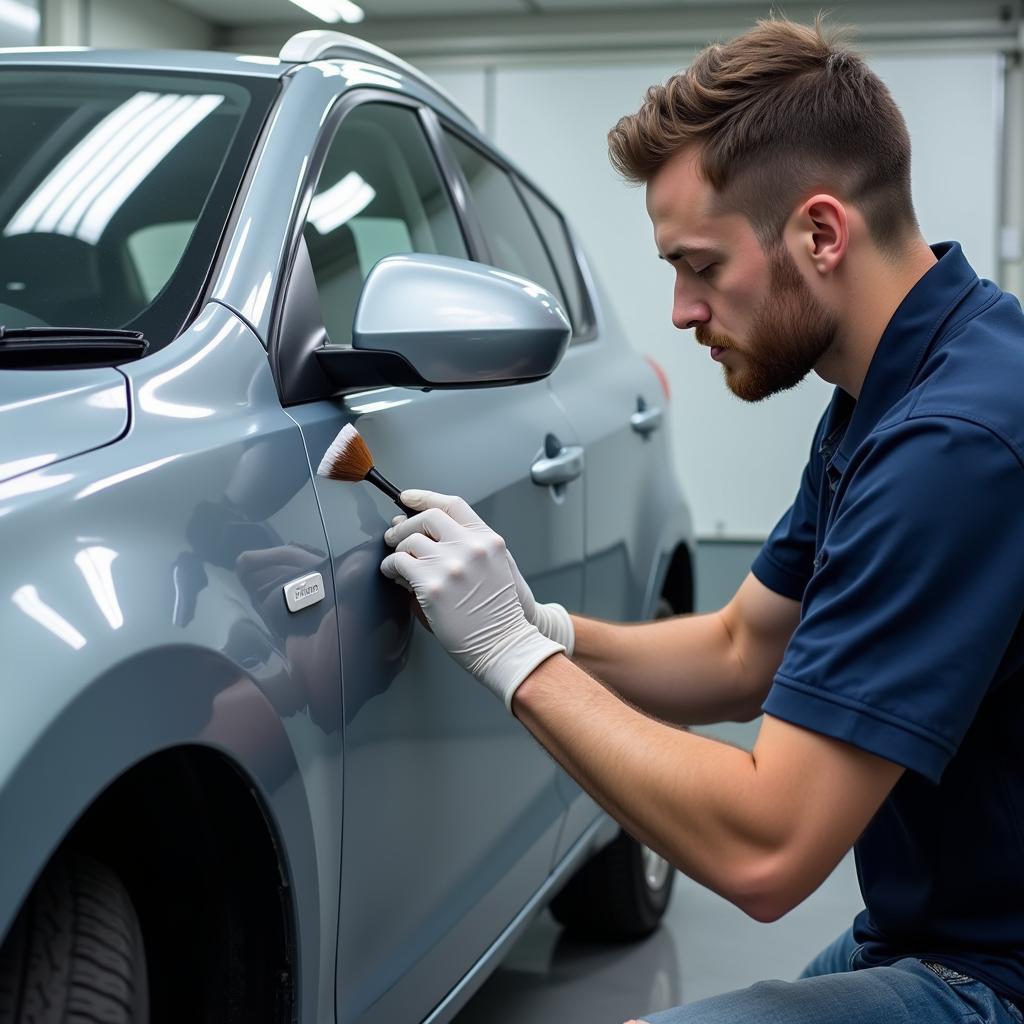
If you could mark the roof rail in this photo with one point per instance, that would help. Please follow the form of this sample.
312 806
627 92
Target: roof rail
323 44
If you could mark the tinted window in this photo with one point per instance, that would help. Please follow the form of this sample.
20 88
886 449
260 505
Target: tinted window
115 187
552 227
514 243
380 193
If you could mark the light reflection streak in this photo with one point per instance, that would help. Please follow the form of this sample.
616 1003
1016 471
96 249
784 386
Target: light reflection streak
16 466
34 482
36 399
94 564
160 407
28 600
117 478
340 203
380 406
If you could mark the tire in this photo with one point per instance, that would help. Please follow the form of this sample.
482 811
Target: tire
74 954
620 894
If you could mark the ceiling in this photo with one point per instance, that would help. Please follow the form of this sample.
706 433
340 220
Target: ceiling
248 12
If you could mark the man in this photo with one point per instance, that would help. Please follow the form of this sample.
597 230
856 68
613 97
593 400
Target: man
879 629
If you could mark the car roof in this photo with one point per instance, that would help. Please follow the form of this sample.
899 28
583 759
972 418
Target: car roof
301 49
145 60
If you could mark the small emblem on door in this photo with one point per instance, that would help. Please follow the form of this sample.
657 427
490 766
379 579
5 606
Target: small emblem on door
303 592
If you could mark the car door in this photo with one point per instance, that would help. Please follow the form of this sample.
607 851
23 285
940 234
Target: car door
451 810
615 403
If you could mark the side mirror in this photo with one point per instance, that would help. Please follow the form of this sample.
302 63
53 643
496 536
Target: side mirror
437 322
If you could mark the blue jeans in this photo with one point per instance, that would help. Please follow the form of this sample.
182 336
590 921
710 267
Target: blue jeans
834 989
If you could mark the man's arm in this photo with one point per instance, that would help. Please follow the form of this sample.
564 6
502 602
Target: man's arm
694 669
762 829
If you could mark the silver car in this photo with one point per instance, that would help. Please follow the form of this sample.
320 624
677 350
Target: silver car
238 781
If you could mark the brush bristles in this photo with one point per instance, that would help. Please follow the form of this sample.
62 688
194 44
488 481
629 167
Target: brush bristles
348 458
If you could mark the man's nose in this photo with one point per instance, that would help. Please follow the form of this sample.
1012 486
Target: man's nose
687 313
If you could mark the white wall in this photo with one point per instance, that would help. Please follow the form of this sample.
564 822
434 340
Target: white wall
130 24
124 24
740 463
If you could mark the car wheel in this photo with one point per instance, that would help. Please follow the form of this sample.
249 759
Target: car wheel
74 954
621 893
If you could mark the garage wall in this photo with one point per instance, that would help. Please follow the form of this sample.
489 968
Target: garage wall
124 24
129 24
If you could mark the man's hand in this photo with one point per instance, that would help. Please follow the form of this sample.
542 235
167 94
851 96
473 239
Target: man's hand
551 619
461 575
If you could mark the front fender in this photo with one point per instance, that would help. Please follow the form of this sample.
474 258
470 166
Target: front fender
141 607
158 699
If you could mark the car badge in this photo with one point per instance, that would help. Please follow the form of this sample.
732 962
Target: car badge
304 591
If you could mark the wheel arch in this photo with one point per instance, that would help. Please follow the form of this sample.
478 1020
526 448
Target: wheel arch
678 585
181 746
190 837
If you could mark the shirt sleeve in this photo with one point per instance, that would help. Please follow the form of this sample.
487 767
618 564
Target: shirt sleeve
919 590
786 559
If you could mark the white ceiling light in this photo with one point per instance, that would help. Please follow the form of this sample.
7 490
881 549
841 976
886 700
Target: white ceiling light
350 12
21 15
333 10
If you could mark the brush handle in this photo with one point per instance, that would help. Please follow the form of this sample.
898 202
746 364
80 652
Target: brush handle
385 485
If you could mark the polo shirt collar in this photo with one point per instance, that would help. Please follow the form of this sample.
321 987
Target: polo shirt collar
905 343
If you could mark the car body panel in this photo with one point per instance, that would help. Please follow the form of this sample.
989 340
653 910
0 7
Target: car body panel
154 616
463 804
47 417
416 821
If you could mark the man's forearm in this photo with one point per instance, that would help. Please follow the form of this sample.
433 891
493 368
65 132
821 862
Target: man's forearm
691 798
683 670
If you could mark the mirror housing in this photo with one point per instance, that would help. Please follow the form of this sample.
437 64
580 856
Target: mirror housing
426 321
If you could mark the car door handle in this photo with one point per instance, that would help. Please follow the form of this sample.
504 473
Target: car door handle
646 421
558 469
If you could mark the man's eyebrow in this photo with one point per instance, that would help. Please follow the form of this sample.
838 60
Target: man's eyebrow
687 252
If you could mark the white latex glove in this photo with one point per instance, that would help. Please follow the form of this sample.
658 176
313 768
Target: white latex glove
462 579
551 619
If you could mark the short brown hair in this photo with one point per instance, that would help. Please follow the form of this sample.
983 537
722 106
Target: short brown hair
779 112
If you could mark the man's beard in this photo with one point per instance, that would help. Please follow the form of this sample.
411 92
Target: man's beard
790 333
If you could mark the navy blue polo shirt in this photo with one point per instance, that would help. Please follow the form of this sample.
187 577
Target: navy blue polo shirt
905 547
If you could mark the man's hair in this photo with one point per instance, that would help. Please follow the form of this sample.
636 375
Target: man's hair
779 113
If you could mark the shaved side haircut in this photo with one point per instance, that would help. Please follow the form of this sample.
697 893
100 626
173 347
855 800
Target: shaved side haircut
779 113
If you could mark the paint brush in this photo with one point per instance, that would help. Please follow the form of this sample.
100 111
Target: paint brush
349 459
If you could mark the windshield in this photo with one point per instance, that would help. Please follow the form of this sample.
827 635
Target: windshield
115 187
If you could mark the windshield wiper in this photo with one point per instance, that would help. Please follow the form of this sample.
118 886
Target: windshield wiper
63 347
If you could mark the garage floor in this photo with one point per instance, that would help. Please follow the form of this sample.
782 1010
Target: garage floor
705 945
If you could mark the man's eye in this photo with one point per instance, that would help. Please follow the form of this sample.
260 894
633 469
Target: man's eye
706 272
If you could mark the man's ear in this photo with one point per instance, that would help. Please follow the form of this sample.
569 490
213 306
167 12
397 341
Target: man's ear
823 232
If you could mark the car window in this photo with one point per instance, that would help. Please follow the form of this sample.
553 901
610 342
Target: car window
154 251
116 185
551 226
514 243
380 192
